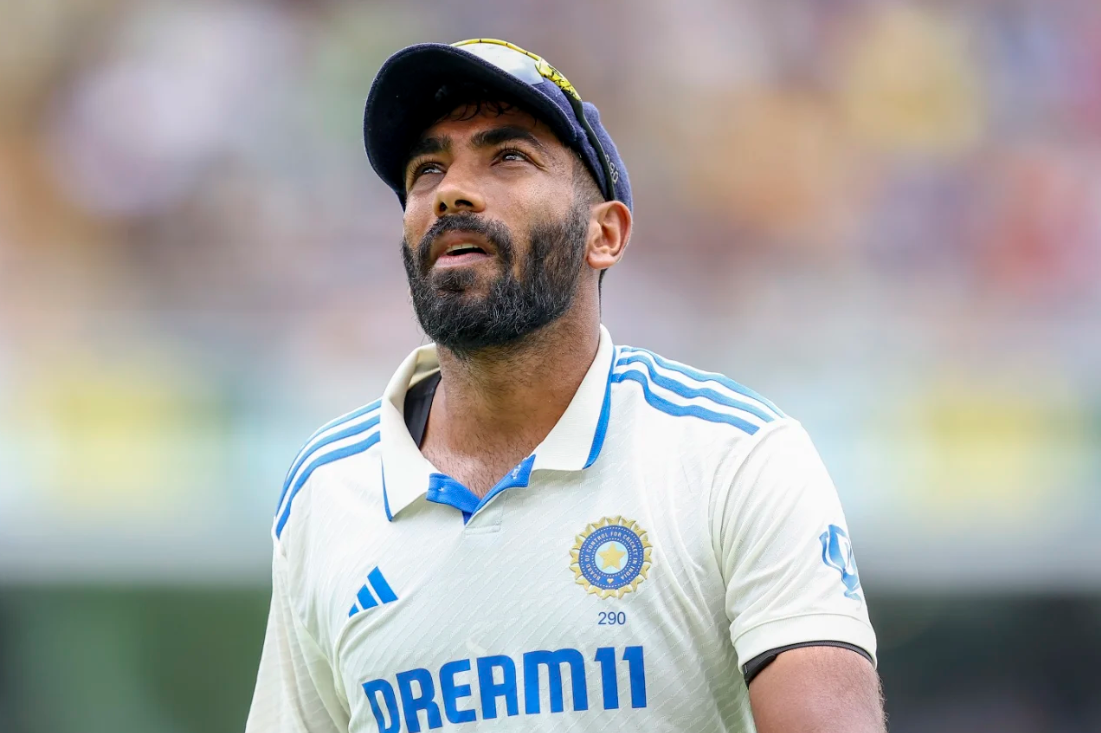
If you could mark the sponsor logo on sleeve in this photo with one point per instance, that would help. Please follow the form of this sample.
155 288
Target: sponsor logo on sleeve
837 553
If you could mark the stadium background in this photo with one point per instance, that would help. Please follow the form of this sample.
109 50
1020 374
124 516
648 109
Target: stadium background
885 215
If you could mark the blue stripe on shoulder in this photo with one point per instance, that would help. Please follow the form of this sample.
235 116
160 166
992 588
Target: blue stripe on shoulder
676 410
336 455
708 377
345 418
310 448
684 390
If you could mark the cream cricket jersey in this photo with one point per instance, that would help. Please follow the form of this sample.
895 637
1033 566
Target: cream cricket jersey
672 527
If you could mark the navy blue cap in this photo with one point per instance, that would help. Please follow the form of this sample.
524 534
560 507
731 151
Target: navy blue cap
404 102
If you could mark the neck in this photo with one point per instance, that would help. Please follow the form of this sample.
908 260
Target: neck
513 395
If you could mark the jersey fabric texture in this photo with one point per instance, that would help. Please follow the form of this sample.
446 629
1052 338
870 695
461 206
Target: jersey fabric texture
672 527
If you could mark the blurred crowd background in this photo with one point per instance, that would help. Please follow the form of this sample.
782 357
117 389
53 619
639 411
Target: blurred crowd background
883 214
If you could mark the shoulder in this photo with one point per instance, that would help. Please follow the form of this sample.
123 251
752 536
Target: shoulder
353 434
695 401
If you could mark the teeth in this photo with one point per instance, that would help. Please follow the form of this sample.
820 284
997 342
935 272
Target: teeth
461 248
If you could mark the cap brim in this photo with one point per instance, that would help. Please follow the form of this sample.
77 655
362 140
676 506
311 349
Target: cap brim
402 102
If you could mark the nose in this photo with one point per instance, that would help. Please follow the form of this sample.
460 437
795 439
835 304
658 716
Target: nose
459 191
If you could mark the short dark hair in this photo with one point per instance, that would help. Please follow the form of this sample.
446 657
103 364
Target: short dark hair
471 103
587 191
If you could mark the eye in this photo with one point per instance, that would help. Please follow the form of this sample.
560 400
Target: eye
420 169
512 154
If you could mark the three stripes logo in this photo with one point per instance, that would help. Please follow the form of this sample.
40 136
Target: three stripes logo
383 593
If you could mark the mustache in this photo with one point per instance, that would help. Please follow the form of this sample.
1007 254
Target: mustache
494 231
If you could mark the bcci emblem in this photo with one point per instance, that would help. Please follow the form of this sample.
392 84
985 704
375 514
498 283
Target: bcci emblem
837 552
611 557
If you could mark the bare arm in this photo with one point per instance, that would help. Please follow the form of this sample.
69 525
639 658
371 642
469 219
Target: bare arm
818 689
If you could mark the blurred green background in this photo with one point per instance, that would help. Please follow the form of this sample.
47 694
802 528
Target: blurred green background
883 214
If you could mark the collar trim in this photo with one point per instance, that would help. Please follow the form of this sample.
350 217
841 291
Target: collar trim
573 444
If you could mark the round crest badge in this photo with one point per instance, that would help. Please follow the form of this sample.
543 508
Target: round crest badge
611 557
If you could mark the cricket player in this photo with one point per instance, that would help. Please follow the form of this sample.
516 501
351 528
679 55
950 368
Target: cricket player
535 529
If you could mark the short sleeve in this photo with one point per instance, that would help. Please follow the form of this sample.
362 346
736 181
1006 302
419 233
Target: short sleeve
784 550
296 690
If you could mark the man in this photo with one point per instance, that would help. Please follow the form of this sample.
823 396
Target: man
534 529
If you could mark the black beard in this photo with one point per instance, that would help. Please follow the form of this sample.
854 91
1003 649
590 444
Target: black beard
515 306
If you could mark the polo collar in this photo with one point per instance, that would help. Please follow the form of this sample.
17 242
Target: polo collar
573 444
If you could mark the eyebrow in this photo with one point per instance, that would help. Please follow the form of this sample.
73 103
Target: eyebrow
429 146
498 135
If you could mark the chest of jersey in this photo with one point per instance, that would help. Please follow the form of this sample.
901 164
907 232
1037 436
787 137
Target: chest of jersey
592 595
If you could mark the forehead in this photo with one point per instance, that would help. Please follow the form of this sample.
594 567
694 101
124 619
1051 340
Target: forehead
467 120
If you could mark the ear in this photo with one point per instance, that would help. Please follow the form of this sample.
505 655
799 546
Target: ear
609 232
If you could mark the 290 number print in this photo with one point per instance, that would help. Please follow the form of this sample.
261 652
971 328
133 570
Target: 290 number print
612 618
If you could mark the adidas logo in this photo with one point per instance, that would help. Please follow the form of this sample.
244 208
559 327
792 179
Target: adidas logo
383 593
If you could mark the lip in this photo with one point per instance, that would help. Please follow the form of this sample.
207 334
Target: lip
450 239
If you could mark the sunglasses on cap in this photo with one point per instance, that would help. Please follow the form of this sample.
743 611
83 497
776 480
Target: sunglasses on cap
532 69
